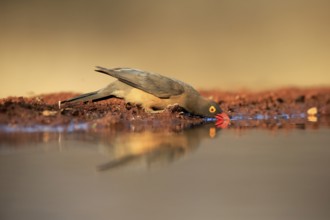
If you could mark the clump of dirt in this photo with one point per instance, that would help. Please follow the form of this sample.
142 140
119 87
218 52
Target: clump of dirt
44 109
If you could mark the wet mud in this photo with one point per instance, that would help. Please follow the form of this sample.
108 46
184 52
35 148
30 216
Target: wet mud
254 109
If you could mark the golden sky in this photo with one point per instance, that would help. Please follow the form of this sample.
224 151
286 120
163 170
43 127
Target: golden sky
52 46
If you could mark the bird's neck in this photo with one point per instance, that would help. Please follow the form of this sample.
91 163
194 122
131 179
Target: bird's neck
195 104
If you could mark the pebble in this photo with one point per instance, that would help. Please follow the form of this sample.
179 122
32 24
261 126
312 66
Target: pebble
312 111
49 113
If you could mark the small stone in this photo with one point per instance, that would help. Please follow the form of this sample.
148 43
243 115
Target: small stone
312 111
49 113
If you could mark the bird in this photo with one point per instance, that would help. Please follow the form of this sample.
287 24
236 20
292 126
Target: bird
154 92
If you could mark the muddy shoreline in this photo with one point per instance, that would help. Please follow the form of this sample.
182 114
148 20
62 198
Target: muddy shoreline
44 110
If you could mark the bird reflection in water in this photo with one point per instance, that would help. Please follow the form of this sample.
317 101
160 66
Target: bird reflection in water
152 148
122 146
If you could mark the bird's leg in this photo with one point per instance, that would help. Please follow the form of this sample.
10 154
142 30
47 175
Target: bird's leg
155 110
173 106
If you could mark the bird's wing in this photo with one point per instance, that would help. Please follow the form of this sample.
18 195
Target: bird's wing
155 84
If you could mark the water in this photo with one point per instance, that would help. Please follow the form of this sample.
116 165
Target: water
200 173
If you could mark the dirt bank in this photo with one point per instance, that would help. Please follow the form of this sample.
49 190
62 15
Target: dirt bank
44 110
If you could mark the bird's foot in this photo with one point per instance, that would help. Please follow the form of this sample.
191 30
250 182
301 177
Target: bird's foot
175 108
152 109
156 111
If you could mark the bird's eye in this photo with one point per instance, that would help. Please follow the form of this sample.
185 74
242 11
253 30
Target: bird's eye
212 109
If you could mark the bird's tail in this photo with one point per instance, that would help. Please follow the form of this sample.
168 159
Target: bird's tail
114 72
91 96
103 70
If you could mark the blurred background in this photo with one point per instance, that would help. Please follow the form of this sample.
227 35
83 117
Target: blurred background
53 46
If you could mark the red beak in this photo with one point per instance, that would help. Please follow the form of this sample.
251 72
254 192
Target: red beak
223 120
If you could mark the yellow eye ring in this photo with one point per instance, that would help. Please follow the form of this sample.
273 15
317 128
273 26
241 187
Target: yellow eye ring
212 109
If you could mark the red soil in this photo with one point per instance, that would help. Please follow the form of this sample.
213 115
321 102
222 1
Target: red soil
44 110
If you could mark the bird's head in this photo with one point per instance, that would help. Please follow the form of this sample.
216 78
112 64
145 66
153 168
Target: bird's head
204 107
211 109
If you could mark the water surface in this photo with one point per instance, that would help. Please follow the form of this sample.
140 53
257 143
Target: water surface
199 173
